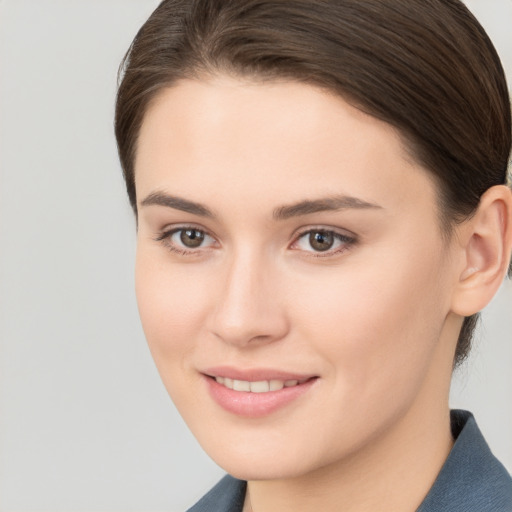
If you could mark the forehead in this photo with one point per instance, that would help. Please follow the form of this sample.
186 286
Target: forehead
274 141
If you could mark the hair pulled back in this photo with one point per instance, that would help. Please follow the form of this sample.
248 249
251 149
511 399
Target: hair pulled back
426 67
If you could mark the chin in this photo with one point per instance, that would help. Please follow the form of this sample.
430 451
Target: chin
257 460
257 469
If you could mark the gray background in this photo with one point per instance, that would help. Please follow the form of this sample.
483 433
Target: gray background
85 424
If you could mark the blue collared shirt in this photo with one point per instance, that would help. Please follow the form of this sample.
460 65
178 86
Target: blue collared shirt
471 479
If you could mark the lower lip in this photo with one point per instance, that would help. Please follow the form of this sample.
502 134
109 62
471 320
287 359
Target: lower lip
255 405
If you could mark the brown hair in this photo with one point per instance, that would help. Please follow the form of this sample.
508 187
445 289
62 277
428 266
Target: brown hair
426 67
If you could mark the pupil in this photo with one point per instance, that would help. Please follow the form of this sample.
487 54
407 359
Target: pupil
192 237
321 240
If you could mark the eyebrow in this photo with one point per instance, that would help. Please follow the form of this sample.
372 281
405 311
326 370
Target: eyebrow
321 205
305 207
178 203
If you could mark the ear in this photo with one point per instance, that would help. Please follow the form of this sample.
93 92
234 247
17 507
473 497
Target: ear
486 245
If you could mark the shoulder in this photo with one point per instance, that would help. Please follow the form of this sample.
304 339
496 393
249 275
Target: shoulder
227 496
472 479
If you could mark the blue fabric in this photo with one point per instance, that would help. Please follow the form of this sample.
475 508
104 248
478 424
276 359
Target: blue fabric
471 479
227 496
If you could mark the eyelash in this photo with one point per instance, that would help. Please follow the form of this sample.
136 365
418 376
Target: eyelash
347 241
165 238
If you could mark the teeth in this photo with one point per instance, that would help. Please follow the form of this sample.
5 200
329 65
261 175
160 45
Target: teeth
241 385
261 386
276 385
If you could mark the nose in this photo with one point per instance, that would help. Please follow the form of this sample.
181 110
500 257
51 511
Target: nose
248 309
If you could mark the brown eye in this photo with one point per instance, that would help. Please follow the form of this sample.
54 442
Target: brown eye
321 240
191 238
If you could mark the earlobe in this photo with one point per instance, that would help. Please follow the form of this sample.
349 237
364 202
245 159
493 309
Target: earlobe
487 246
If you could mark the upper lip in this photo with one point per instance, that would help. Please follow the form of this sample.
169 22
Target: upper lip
254 374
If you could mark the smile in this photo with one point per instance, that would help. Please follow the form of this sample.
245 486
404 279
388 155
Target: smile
257 393
260 386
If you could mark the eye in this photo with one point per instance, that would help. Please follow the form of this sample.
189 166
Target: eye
323 241
190 238
186 239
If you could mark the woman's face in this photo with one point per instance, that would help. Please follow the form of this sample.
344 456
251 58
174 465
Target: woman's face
290 249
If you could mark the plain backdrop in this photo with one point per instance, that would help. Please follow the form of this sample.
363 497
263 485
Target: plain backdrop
85 424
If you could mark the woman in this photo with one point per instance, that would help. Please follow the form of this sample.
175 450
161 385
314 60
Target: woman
322 210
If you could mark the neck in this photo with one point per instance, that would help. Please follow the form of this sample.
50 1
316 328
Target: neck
391 475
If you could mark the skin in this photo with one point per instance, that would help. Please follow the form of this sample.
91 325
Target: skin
375 320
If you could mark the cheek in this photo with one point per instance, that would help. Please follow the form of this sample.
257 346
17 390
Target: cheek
171 306
376 325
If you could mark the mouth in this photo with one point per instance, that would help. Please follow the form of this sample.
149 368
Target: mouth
259 386
257 393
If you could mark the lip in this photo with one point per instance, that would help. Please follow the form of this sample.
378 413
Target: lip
254 374
255 405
